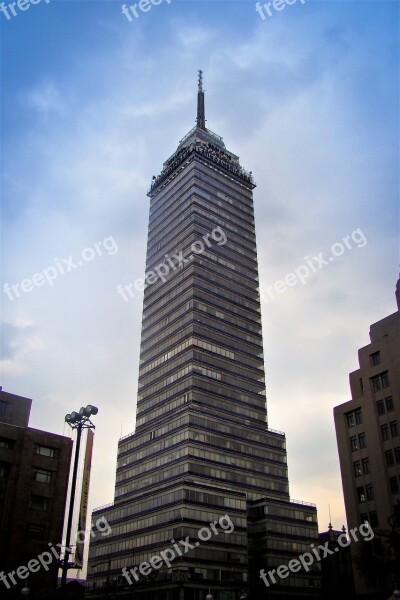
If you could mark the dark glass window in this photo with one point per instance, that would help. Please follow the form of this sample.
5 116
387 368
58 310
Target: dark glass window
369 491
361 494
6 443
4 470
397 454
35 531
42 475
389 403
357 468
350 419
358 416
45 451
365 466
380 407
39 503
373 518
394 485
3 407
389 458
375 358
385 432
393 428
354 443
362 441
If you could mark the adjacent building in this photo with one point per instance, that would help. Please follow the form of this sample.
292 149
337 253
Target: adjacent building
34 472
368 438
203 467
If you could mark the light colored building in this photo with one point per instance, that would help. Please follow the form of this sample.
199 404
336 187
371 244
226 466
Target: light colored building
368 438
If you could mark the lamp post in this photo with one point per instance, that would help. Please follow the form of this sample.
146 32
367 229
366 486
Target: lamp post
79 421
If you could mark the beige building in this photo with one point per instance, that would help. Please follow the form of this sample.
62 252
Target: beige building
368 438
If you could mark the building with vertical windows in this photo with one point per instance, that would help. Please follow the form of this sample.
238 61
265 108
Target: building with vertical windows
203 466
368 438
34 472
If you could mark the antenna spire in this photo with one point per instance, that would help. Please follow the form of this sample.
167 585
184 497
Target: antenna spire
201 120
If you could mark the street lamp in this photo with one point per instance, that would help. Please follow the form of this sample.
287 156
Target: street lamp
79 421
209 596
25 591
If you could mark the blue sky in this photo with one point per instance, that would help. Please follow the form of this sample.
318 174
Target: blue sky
92 106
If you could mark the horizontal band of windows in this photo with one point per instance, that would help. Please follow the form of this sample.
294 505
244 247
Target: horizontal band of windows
195 367
187 278
202 267
243 202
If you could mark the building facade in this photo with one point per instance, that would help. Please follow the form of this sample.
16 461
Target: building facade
368 438
34 473
202 466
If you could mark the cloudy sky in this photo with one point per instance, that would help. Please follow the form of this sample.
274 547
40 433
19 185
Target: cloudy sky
94 103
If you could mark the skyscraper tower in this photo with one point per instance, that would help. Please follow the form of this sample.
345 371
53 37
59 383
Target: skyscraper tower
202 465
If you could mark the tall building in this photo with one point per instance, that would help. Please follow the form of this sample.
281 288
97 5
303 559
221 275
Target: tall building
367 431
34 472
202 462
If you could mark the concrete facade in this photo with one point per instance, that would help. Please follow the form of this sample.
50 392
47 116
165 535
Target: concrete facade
368 439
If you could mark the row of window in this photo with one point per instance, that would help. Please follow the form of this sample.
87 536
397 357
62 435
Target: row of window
384 406
394 484
306 532
365 493
358 442
39 449
389 430
255 328
354 417
391 457
380 382
361 467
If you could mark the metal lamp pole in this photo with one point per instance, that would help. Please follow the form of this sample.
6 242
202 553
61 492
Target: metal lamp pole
78 421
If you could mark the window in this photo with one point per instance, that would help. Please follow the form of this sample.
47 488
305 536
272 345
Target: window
354 417
354 443
35 531
4 470
365 466
380 382
397 454
385 432
39 503
3 407
361 494
357 468
393 428
389 404
373 518
394 485
380 407
369 491
6 443
362 441
361 385
389 458
45 451
364 518
42 476
375 358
